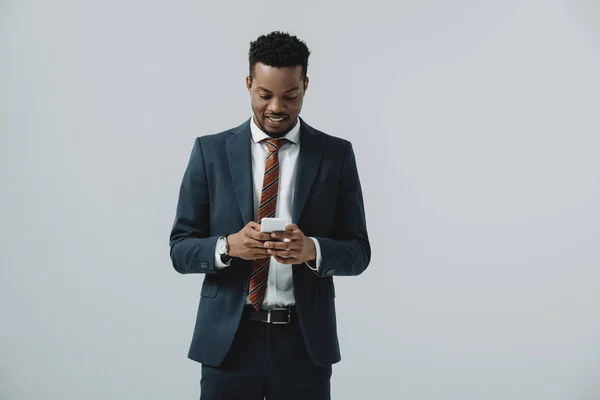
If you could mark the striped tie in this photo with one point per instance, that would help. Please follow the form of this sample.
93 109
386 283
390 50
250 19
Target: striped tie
267 209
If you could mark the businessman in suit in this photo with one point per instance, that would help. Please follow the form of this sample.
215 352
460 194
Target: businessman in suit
266 322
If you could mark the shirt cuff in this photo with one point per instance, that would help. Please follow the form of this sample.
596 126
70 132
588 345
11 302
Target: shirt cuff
219 264
315 265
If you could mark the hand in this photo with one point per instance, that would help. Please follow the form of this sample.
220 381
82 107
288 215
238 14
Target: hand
249 243
296 250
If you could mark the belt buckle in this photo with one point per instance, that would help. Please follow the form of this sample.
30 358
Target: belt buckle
289 316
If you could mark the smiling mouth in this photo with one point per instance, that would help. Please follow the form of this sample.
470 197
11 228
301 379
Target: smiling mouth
276 120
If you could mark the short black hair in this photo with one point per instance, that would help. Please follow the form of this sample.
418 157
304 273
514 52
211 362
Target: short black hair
278 49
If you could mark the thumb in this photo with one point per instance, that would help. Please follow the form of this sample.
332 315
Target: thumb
254 225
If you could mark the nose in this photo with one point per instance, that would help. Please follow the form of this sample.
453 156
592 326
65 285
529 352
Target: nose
276 106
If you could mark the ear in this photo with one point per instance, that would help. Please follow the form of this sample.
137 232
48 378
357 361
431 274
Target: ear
305 83
249 83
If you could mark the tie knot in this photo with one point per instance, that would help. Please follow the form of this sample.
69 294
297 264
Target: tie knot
274 144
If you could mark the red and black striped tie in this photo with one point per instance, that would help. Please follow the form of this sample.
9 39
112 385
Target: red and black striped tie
266 209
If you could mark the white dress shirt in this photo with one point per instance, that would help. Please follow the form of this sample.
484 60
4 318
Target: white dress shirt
280 291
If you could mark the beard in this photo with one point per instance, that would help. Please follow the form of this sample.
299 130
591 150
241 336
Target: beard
276 134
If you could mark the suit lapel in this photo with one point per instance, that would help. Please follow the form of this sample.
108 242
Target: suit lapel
309 161
240 165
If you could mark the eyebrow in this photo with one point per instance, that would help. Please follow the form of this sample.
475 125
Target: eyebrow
267 90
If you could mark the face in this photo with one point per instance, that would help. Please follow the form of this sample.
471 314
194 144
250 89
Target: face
277 95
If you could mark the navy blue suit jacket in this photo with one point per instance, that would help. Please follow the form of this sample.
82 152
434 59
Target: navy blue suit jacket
216 198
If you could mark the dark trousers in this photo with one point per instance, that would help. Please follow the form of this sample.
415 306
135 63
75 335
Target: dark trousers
266 360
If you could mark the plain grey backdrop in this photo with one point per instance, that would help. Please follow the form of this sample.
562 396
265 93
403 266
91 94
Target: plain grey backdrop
476 128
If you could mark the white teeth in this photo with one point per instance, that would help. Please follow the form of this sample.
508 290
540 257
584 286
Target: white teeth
275 119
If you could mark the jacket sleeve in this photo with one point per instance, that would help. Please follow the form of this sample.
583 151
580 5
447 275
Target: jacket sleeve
192 247
348 251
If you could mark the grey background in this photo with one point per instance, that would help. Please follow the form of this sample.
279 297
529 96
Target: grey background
475 126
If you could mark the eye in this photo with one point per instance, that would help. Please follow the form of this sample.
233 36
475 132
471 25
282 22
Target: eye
264 96
291 97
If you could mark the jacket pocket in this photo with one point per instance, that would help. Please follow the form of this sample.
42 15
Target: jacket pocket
209 287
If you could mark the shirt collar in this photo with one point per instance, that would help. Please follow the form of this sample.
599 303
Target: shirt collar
258 135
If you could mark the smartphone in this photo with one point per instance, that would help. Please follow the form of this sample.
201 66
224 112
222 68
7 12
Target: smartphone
269 225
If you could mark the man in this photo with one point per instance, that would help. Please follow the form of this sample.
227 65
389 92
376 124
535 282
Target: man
266 323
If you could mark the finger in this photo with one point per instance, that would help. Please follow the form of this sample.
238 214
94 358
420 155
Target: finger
293 231
291 228
289 235
253 244
284 253
250 245
258 235
253 225
282 245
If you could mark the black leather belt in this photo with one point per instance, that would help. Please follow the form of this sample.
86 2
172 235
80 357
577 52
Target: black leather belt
277 316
